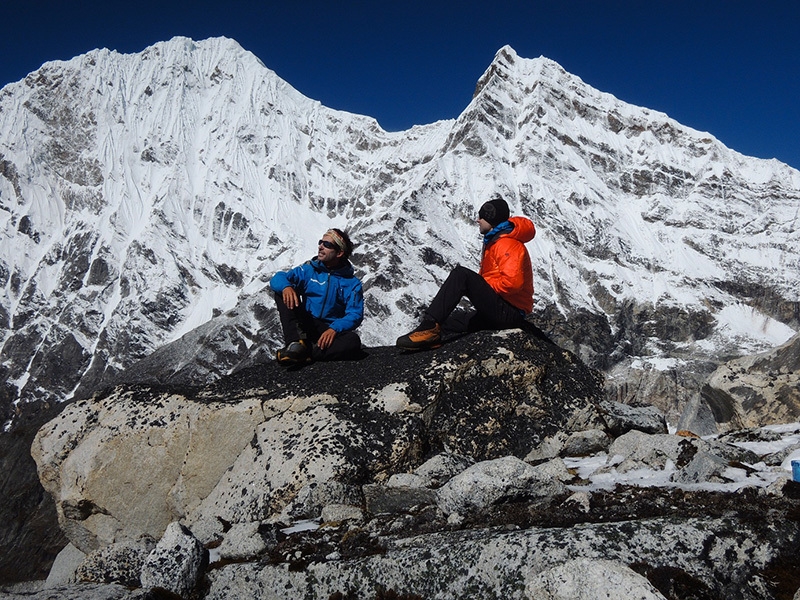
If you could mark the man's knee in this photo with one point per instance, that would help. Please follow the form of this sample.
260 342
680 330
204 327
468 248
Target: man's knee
462 271
345 345
462 274
350 341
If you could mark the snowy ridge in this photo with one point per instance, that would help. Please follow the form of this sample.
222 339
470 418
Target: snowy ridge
143 195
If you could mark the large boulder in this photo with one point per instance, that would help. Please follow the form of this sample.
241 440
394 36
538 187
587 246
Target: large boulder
584 579
129 462
132 462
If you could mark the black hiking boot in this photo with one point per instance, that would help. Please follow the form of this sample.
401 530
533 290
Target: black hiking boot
294 353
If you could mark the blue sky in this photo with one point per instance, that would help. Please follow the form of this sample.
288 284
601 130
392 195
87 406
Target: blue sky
731 68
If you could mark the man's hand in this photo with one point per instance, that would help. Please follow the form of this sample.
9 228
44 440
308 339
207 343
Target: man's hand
290 298
326 339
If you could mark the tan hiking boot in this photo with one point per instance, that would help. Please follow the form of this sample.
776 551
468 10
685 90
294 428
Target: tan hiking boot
424 336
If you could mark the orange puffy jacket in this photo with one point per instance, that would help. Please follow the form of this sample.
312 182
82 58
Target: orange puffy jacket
506 264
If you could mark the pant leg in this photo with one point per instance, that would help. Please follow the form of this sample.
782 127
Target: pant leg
346 345
491 311
466 321
296 323
459 321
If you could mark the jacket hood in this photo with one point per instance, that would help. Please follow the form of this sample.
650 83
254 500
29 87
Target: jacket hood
524 229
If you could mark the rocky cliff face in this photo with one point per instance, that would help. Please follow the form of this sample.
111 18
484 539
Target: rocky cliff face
28 540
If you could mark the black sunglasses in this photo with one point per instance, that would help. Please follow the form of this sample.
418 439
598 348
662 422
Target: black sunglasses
327 244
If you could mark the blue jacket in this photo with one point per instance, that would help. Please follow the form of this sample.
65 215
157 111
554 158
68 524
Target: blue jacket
332 295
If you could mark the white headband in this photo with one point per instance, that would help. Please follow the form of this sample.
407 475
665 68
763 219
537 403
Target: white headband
337 239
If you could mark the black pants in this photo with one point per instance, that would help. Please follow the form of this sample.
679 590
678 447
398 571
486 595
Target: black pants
298 324
491 311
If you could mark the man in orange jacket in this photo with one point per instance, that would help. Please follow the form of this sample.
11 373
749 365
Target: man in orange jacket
501 292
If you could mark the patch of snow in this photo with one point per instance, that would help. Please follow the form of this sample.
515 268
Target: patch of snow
300 526
659 363
598 470
746 322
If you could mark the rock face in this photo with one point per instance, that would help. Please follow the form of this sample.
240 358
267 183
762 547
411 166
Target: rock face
748 392
28 540
244 448
500 565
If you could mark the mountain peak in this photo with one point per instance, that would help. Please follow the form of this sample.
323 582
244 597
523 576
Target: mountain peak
506 53
508 58
511 71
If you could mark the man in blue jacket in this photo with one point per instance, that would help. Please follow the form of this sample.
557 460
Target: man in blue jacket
320 303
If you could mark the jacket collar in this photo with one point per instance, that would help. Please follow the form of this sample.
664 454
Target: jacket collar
500 229
345 269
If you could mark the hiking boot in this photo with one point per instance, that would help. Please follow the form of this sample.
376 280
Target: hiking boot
294 353
426 335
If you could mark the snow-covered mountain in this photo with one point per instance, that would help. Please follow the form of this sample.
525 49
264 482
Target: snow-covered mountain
146 199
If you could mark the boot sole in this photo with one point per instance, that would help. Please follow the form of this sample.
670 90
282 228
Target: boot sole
289 361
431 346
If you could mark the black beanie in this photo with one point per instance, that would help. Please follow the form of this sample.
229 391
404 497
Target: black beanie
494 211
